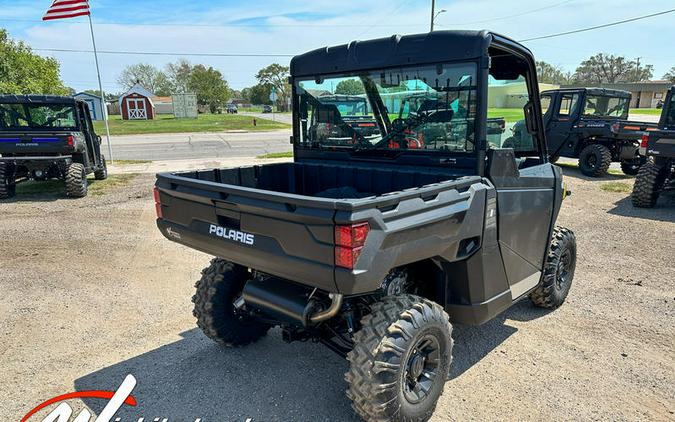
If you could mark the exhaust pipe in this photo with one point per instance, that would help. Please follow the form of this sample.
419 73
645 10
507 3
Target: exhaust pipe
333 309
289 302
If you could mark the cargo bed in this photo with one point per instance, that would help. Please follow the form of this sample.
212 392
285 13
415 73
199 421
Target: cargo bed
280 218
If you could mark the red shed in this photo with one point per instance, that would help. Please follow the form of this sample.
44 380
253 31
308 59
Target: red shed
136 104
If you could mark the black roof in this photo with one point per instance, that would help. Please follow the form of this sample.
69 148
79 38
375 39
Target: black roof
36 99
594 91
397 50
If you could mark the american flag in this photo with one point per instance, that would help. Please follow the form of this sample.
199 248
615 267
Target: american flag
63 9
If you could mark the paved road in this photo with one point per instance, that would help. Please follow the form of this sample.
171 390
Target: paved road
181 146
279 117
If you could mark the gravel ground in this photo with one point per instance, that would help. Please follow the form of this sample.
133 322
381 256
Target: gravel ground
92 292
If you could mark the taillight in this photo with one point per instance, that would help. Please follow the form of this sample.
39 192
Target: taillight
349 241
158 205
615 127
70 140
645 140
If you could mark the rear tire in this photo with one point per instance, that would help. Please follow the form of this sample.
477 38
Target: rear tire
594 160
76 181
221 284
400 361
648 184
7 182
102 173
559 269
631 168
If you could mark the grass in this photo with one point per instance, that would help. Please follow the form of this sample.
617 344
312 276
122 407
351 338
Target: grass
511 115
288 154
618 187
612 172
96 187
164 123
646 111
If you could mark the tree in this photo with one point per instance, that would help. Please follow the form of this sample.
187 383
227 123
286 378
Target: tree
551 74
179 74
211 89
670 76
276 76
148 76
603 68
23 72
349 87
260 94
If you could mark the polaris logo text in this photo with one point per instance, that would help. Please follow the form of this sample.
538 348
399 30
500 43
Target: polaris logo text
231 234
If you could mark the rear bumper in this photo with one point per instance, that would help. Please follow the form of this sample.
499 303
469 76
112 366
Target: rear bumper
38 162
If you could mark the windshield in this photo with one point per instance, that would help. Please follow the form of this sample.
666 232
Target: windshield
604 106
37 117
430 107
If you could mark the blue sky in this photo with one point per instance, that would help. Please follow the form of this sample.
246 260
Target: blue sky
294 26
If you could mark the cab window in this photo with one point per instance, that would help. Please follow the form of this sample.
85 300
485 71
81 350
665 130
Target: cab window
568 103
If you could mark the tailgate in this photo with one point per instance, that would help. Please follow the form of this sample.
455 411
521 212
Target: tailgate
34 143
633 130
289 236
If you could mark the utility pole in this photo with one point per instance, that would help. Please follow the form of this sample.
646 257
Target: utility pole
433 12
637 70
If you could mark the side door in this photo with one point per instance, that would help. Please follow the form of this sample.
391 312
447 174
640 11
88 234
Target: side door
527 185
562 116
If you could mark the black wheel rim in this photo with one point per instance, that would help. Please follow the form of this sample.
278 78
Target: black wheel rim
591 161
563 270
421 369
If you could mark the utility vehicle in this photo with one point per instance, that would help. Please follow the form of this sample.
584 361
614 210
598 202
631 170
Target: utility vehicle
48 137
373 247
354 112
591 124
658 173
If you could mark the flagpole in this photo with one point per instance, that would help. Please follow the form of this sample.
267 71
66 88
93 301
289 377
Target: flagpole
100 87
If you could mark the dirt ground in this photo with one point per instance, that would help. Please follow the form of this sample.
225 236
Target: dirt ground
91 292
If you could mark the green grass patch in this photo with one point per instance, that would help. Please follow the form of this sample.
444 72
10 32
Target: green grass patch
130 162
288 154
618 187
100 187
166 123
511 115
96 187
646 111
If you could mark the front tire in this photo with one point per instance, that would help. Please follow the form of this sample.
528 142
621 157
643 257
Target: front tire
400 360
7 182
594 160
221 284
559 269
648 184
76 181
102 173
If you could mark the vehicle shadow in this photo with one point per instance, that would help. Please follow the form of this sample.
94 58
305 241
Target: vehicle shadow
268 380
572 170
473 343
663 211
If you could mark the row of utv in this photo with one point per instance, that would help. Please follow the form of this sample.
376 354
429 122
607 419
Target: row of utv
390 225
48 137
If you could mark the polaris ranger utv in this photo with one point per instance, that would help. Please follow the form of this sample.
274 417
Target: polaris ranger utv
658 173
371 246
591 124
48 137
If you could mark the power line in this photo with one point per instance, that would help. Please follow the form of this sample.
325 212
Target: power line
591 28
229 25
163 53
